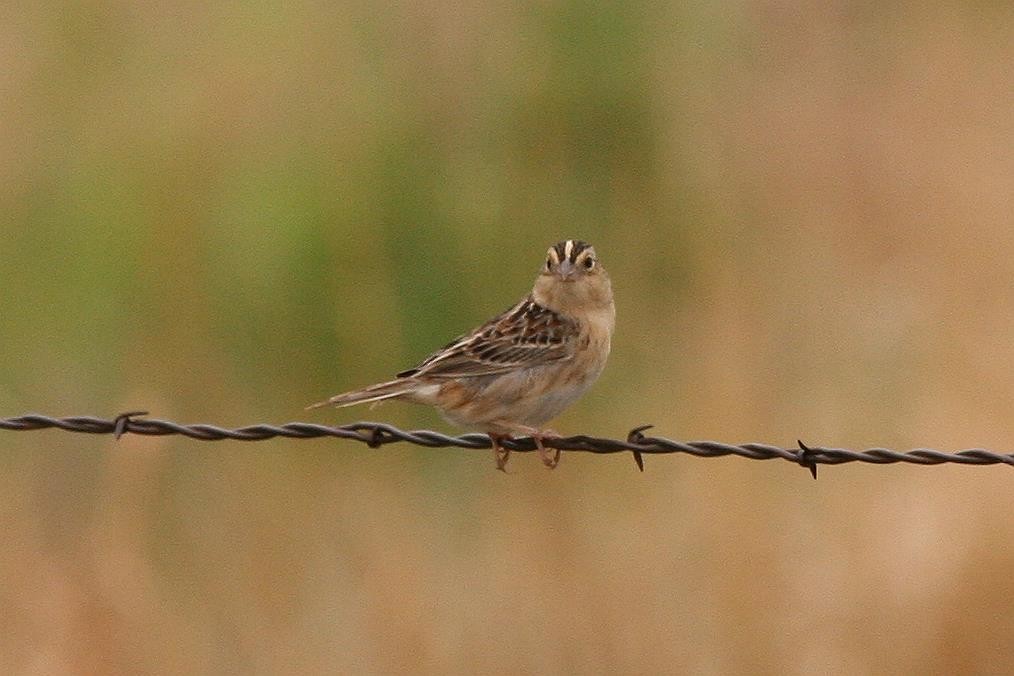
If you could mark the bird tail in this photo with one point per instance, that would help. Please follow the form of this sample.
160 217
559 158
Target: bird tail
374 393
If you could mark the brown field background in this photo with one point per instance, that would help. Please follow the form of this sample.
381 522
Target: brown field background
222 214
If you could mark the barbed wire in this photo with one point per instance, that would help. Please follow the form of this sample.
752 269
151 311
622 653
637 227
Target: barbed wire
376 434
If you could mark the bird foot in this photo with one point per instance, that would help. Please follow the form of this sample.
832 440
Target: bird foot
500 454
550 456
550 460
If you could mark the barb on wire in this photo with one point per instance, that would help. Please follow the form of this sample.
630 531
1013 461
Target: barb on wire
375 435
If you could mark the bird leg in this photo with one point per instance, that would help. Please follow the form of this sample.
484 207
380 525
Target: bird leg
500 454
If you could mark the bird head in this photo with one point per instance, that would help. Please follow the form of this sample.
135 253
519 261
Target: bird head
572 279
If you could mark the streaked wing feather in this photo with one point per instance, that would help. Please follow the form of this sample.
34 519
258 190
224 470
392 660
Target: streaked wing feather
525 335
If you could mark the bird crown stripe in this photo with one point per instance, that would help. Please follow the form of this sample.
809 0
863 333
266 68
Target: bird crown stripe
569 250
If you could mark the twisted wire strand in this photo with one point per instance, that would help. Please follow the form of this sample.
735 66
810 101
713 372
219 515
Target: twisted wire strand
376 434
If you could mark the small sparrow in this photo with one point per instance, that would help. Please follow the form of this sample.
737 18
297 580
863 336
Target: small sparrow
519 370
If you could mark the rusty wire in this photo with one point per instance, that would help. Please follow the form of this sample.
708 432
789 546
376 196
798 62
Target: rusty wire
376 435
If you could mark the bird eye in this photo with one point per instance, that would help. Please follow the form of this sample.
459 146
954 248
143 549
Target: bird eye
589 263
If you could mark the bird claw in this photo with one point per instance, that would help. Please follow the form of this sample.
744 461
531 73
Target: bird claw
501 455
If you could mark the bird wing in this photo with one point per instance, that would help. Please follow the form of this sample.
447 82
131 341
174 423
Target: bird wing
526 335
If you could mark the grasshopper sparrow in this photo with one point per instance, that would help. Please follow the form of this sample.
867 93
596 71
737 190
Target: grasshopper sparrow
519 370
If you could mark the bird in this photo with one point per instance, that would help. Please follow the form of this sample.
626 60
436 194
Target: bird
519 370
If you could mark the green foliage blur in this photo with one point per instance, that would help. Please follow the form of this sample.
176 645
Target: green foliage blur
222 213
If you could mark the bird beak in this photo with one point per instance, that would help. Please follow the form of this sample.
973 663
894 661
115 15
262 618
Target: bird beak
566 271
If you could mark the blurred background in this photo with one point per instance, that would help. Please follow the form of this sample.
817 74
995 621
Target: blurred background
221 214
